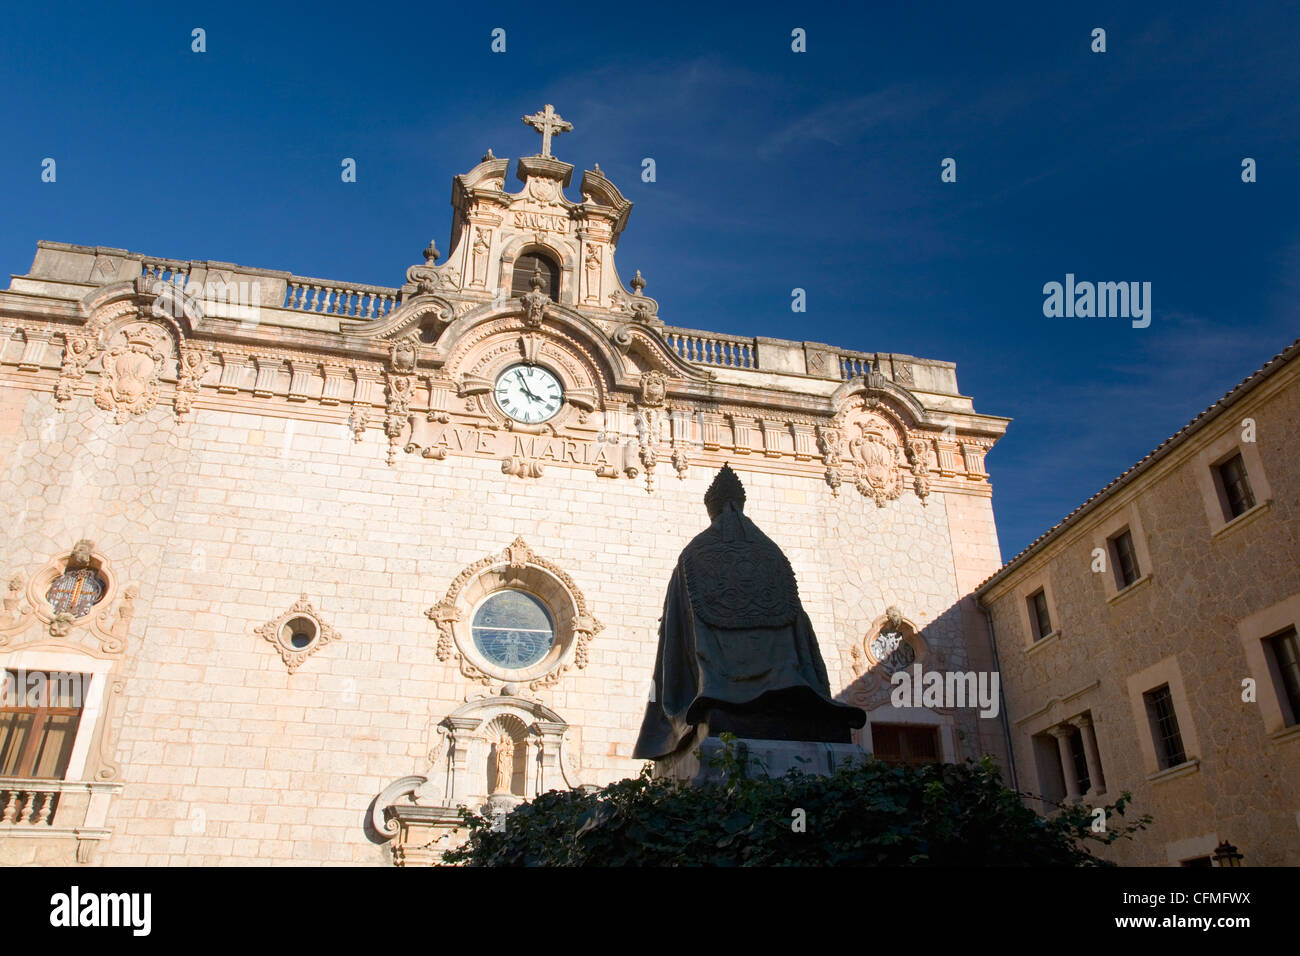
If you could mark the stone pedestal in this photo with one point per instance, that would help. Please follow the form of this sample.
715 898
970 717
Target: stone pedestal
763 758
502 803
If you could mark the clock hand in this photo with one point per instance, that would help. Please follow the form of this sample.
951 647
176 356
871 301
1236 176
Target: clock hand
524 386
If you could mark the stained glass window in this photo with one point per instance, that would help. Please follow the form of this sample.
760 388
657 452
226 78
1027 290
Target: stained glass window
75 592
892 651
513 629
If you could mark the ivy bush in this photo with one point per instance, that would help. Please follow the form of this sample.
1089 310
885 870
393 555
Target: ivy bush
870 814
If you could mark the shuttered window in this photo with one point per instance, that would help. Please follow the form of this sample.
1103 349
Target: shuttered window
525 267
38 723
905 744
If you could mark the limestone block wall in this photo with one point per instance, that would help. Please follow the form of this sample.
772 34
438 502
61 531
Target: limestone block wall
1213 593
223 521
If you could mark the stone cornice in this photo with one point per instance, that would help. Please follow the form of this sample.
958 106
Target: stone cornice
1279 372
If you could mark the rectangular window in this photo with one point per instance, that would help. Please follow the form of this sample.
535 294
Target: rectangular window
1285 651
1124 556
1164 725
1237 495
1080 762
1042 621
902 744
39 726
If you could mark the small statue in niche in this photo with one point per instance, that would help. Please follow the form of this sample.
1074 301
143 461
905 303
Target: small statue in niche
592 263
505 763
481 247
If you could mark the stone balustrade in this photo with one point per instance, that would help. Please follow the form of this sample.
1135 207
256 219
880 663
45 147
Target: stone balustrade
71 812
175 271
348 301
28 803
708 348
855 364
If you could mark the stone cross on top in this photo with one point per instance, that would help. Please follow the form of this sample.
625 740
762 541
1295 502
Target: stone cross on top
547 122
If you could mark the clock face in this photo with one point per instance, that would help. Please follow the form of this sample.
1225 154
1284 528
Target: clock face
528 393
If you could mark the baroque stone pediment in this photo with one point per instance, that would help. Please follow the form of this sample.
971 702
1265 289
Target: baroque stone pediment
421 360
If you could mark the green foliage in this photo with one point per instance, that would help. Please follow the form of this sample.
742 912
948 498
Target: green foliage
871 814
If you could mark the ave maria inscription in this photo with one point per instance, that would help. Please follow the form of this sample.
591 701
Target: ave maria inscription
435 440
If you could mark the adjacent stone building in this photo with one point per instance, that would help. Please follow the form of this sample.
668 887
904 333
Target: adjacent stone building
1147 643
295 566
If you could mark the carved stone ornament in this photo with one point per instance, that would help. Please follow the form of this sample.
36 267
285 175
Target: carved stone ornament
15 611
535 302
681 461
890 649
654 389
875 453
129 382
920 452
193 365
517 566
117 623
358 418
830 441
401 389
482 244
74 599
891 644
403 355
649 428
591 264
298 633
78 350
430 279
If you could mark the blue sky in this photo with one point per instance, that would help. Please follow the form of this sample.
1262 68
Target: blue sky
775 170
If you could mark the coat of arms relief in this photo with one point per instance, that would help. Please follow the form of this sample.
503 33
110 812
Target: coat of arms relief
132 369
876 451
866 448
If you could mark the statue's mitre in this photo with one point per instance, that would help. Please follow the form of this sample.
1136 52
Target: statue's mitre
726 487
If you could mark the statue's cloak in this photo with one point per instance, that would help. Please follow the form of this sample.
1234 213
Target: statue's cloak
733 630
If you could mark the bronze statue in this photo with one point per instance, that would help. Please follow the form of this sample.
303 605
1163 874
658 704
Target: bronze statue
737 652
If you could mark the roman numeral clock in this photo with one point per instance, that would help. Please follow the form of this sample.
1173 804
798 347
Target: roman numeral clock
528 394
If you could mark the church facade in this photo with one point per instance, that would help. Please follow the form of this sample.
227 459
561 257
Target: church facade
295 566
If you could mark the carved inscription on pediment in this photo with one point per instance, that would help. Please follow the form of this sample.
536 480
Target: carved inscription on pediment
432 439
540 222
